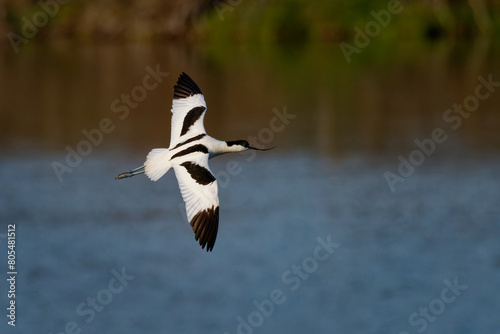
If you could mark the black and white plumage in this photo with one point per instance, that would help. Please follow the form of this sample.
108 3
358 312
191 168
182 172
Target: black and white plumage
188 154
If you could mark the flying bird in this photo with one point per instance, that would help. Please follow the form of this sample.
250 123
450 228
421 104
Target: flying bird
188 154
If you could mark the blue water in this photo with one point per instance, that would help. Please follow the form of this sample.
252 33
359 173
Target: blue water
395 253
312 238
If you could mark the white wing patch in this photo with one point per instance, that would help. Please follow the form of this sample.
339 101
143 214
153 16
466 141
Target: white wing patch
199 191
187 118
188 110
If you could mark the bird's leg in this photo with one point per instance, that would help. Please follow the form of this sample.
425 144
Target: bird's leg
133 172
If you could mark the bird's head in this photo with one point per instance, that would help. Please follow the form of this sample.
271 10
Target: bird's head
243 145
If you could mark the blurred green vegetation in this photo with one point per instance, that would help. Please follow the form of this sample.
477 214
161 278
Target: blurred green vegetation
298 21
220 25
258 21
304 30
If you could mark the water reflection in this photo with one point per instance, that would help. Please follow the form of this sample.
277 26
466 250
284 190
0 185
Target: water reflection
50 94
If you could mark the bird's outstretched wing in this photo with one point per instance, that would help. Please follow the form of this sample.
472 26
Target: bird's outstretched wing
188 111
199 190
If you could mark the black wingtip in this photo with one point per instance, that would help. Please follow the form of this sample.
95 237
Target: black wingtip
185 87
205 225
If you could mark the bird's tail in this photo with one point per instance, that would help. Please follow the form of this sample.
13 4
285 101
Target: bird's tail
157 163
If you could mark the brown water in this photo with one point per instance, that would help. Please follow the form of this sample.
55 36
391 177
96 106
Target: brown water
49 95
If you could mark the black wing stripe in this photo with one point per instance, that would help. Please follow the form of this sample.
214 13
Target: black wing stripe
187 141
191 117
195 148
199 173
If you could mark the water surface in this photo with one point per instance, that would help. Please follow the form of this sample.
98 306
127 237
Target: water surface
395 250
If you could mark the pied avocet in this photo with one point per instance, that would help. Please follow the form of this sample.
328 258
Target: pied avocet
188 154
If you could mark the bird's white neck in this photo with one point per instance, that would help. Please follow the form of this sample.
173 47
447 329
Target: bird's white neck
218 147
